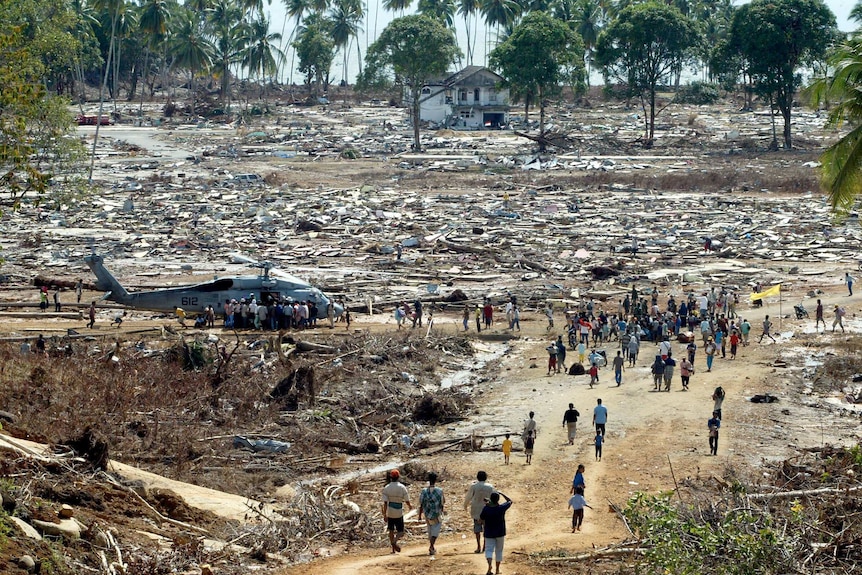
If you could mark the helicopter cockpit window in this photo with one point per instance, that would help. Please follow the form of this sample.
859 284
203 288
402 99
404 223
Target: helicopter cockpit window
217 285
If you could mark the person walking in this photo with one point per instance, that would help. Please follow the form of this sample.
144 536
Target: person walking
745 329
734 343
552 358
718 399
494 516
600 416
395 497
91 313
709 350
634 347
79 289
657 373
600 439
686 370
839 318
431 502
577 504
848 279
529 444
57 300
578 481
619 366
818 317
767 326
669 365
713 425
561 354
474 501
570 422
507 449
529 426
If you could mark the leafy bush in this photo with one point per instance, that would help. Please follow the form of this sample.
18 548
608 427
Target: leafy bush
697 93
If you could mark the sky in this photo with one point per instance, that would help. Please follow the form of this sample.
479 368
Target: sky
378 18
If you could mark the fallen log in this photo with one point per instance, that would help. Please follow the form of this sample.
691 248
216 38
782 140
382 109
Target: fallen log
804 492
43 314
598 554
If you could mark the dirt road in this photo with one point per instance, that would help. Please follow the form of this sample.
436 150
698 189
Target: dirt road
653 440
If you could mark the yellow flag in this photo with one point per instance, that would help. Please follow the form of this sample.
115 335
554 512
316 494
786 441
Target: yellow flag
774 290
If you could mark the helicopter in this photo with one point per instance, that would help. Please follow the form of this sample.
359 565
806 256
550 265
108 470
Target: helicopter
269 284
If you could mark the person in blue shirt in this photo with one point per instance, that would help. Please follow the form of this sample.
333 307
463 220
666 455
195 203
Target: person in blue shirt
578 482
713 425
600 439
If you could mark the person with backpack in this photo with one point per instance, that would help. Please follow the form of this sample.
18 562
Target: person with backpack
839 318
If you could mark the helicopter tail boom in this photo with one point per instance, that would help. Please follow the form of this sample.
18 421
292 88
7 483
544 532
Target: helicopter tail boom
106 281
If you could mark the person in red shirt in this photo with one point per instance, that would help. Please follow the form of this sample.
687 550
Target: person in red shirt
594 374
734 343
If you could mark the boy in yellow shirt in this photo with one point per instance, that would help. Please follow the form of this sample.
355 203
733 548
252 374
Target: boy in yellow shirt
507 448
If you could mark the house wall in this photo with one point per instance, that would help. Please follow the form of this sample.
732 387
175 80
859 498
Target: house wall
465 103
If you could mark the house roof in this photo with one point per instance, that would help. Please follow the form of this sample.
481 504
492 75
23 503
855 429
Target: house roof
461 76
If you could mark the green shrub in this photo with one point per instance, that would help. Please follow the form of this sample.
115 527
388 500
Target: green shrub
697 93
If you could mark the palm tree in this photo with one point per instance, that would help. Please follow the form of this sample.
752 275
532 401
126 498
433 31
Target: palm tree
499 14
588 23
153 22
856 13
228 33
191 49
260 53
441 10
394 5
468 9
841 163
113 8
345 17
295 9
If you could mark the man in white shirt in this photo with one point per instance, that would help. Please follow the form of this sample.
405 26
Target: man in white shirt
475 500
395 497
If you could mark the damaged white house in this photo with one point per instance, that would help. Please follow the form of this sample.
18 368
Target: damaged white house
469 99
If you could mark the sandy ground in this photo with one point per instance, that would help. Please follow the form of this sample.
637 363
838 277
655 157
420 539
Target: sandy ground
653 440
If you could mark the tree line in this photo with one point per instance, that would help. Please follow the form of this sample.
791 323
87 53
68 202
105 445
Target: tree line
131 48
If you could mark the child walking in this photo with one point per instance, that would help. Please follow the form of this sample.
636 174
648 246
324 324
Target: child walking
599 441
529 442
507 449
577 503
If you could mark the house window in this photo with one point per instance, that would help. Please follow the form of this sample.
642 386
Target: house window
462 95
476 95
492 95
426 90
448 96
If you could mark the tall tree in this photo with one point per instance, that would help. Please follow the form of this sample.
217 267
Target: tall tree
777 38
315 50
440 10
397 5
227 35
468 9
645 44
499 14
113 8
37 140
841 163
345 17
536 59
416 48
191 50
260 53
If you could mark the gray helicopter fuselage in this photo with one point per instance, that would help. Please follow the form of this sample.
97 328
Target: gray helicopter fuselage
196 298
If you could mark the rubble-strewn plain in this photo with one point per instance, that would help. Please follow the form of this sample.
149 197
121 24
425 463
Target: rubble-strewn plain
304 426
